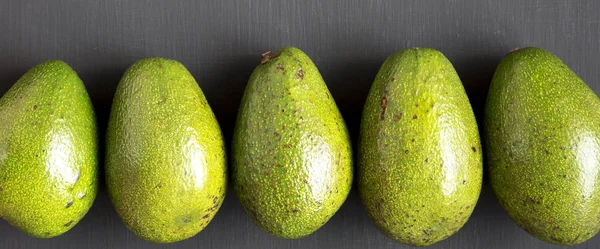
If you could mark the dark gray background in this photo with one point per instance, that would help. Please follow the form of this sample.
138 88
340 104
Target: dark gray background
220 43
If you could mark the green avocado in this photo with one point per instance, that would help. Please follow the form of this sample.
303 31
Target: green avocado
165 155
542 126
420 159
48 151
292 156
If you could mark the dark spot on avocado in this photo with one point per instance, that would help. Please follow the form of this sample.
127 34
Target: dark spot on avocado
162 101
464 181
69 204
393 79
473 149
295 211
417 105
530 200
158 186
415 116
378 205
276 134
426 160
398 116
554 238
46 233
300 75
280 66
35 107
412 140
187 219
1 189
81 195
383 106
68 224
206 216
406 152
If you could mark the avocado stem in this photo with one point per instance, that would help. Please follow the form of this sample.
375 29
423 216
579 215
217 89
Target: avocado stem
513 50
264 57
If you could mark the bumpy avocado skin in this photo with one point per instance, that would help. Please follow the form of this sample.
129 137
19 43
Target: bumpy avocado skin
542 126
420 161
48 151
165 157
292 156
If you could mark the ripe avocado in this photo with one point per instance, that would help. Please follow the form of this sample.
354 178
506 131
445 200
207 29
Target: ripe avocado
542 125
165 155
48 151
420 161
292 156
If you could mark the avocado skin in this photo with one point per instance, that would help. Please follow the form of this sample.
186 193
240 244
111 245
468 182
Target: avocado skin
292 156
165 158
420 159
48 151
543 148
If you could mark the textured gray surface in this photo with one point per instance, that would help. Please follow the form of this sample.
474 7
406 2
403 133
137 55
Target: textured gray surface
220 43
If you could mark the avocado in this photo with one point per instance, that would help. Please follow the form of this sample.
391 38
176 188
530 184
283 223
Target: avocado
292 155
419 152
48 151
542 125
165 155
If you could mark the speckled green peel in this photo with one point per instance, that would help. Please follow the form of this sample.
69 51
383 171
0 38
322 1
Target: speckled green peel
165 156
292 158
542 126
48 151
420 162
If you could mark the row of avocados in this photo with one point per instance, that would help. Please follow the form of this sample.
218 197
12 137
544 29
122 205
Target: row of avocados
419 151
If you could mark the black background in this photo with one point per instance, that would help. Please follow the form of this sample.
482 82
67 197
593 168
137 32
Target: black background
220 43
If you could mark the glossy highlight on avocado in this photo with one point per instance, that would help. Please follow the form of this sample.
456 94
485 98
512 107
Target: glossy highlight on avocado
165 158
420 161
292 156
542 125
48 151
